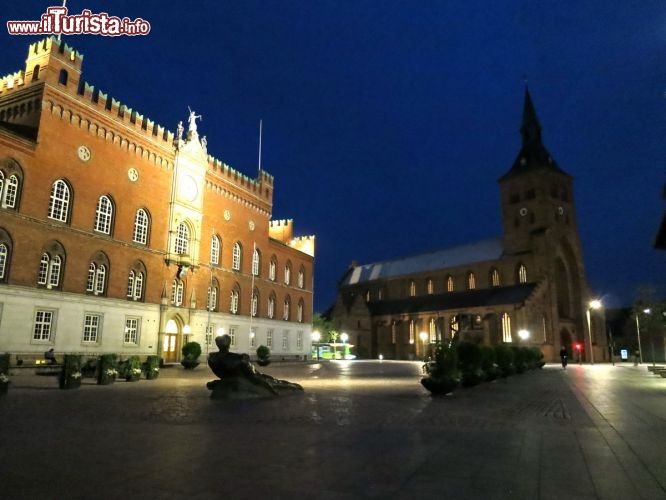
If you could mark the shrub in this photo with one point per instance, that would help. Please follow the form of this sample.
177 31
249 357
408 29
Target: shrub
443 375
70 375
4 373
191 352
469 362
133 369
151 367
108 369
263 355
535 358
504 358
519 358
488 364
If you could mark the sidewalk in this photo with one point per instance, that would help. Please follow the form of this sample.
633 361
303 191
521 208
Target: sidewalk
360 430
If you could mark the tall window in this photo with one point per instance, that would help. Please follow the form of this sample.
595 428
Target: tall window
8 190
49 271
177 290
430 287
255 303
506 328
215 250
271 307
412 289
255 262
43 326
299 340
285 310
272 269
285 340
449 284
103 215
412 331
232 334
131 331
59 201
135 284
141 222
182 243
299 311
301 278
522 274
4 257
432 330
91 327
269 337
494 278
235 295
212 297
471 281
287 274
96 278
236 257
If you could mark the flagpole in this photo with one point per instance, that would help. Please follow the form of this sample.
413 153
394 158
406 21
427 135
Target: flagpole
260 131
254 253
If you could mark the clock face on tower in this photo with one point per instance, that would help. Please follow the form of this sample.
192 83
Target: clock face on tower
187 188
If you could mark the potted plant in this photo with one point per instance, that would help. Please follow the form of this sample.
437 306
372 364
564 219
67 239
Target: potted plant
4 373
108 370
151 368
70 375
191 352
133 369
263 355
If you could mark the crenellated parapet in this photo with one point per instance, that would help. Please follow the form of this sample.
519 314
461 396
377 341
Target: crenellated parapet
281 230
223 189
305 244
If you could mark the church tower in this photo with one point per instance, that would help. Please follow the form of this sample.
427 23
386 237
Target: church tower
536 194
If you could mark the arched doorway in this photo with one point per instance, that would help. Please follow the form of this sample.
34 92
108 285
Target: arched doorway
170 342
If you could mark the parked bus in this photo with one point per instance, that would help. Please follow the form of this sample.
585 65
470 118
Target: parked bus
335 350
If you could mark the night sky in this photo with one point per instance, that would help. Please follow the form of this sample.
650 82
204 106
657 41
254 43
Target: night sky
387 123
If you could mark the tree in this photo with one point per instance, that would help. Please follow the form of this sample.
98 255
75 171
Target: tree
325 327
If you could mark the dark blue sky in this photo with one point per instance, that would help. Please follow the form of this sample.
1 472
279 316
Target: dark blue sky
387 123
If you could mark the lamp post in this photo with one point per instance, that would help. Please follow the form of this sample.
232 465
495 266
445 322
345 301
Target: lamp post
187 330
523 334
594 304
423 336
638 334
316 337
344 337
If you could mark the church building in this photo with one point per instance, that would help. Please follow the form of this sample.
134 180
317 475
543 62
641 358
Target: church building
120 236
527 288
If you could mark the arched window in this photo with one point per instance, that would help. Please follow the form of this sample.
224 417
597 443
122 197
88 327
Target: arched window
522 274
254 305
59 201
287 273
212 296
271 307
9 192
96 278
449 284
234 305
215 250
35 73
62 78
506 328
432 330
50 268
412 288
412 331
4 259
286 312
301 311
141 226
135 281
177 291
430 286
104 215
272 269
256 262
182 243
301 278
471 281
236 257
494 277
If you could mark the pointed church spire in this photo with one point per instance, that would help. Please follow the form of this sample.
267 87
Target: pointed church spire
530 129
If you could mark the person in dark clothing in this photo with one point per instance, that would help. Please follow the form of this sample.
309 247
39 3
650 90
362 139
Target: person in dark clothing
563 356
50 356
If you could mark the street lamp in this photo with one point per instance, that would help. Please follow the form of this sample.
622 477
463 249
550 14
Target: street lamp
186 332
316 337
594 304
523 334
638 333
344 337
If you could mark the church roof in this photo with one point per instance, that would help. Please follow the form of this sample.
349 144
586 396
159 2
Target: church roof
440 259
533 154
494 296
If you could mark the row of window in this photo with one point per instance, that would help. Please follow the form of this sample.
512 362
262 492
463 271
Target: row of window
283 343
59 210
494 280
45 322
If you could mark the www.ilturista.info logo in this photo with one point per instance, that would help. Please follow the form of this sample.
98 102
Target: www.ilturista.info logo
56 22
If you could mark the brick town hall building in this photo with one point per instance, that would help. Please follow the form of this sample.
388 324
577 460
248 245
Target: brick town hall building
118 236
531 280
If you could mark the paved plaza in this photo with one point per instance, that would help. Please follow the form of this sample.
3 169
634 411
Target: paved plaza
361 429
